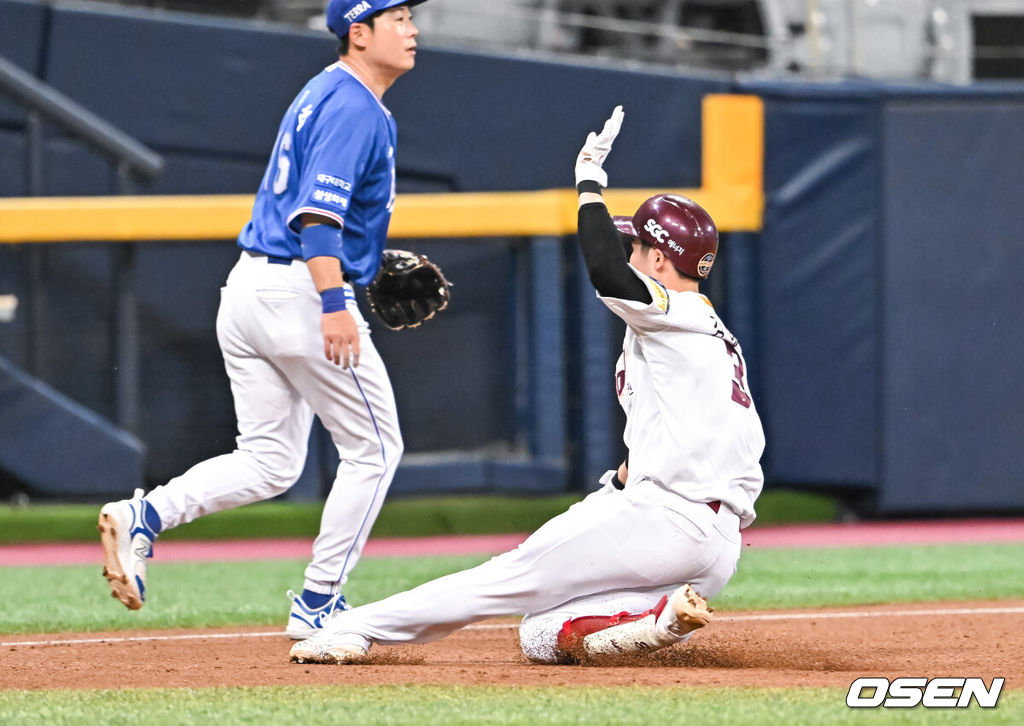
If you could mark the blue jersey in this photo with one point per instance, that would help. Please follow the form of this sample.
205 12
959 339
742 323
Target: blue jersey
334 156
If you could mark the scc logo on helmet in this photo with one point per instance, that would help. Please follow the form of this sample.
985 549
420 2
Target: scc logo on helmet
657 231
661 235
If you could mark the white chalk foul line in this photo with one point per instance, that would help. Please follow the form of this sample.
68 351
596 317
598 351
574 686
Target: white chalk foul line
870 614
503 626
142 638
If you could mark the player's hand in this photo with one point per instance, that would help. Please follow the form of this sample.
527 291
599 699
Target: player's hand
341 338
595 150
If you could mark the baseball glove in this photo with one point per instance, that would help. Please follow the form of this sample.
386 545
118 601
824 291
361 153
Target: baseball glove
407 290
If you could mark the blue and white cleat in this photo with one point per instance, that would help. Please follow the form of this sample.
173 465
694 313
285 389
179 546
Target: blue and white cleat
304 621
127 544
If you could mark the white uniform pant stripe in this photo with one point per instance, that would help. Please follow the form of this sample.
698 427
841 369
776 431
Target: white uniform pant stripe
370 515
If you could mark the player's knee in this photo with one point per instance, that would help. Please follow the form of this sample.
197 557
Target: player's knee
389 454
284 481
397 449
391 442
279 483
380 456
279 471
381 452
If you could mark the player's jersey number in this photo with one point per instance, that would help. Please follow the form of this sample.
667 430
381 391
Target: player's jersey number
740 392
284 164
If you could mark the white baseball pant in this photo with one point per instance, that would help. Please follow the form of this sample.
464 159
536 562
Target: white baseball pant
268 327
613 551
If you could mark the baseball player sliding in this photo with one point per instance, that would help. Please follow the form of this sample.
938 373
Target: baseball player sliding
627 569
293 339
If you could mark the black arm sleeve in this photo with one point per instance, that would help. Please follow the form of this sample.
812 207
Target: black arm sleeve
605 256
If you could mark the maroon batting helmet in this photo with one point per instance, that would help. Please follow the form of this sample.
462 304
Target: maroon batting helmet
681 229
624 225
626 232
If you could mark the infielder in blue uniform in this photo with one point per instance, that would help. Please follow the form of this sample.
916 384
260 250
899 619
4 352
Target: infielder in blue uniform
294 341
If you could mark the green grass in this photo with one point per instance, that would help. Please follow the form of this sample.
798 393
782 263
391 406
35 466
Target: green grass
399 517
451 705
187 594
789 507
192 594
252 593
790 578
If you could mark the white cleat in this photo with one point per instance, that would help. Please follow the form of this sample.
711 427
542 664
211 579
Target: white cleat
127 543
308 651
313 650
685 612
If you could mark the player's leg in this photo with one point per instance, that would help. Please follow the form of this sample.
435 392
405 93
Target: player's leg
538 632
506 584
273 424
610 625
610 541
638 620
357 407
273 420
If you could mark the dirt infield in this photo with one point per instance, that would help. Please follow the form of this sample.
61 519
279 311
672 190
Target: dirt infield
829 647
826 647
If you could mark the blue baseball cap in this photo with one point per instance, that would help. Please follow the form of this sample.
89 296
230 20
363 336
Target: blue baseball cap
342 13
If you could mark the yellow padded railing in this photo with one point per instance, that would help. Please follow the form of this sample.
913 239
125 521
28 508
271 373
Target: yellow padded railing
731 191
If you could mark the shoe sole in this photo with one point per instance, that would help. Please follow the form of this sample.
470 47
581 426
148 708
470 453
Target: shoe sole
348 657
322 658
691 610
113 569
307 659
328 658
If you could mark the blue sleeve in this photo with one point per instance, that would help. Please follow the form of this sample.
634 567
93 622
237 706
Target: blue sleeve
320 240
341 141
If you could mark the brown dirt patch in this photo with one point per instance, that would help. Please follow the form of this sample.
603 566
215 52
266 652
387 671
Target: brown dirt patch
735 650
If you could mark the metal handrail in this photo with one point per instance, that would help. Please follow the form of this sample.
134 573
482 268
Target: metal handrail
127 155
36 95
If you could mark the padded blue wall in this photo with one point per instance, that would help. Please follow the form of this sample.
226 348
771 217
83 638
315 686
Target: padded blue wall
22 36
202 86
876 308
818 367
951 340
477 123
212 91
208 94
888 285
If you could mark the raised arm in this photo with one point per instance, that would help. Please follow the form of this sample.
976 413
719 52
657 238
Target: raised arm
604 251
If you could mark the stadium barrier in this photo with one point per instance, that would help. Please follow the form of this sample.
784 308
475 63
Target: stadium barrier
538 457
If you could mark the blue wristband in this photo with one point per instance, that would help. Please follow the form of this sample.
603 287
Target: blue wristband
334 299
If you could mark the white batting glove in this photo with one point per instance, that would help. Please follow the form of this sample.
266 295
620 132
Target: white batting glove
595 151
606 480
